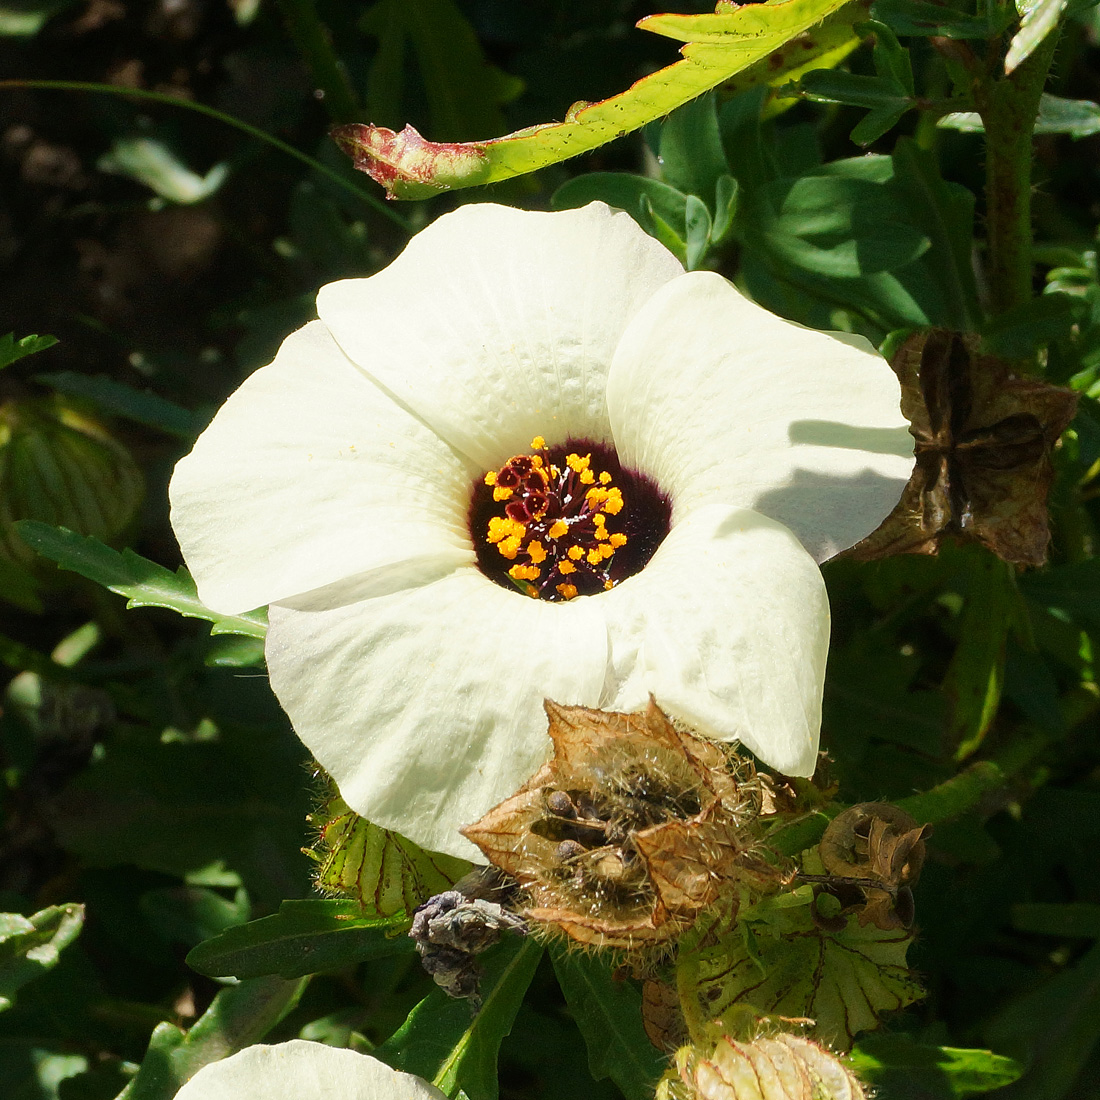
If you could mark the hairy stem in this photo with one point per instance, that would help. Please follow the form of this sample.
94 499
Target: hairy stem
1008 106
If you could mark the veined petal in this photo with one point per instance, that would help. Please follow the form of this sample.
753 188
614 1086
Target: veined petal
425 706
309 474
728 628
300 1070
715 398
496 325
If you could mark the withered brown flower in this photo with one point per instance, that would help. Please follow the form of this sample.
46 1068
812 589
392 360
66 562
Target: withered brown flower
873 853
984 439
629 831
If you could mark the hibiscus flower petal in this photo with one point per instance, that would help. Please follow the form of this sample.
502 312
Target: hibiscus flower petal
309 474
425 706
300 1070
497 325
728 628
715 398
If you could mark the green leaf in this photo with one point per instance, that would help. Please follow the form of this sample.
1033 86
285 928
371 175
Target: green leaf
1071 919
609 1016
383 871
150 162
304 937
689 149
12 350
928 19
1040 18
144 583
29 946
238 1017
23 18
1019 333
1073 589
122 400
773 960
718 47
1054 1029
1077 117
443 1044
903 1069
838 227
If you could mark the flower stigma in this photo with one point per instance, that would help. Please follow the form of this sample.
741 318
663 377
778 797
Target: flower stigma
566 521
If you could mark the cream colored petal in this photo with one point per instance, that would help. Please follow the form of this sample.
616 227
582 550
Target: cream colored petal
728 628
425 706
299 1070
718 399
496 325
309 474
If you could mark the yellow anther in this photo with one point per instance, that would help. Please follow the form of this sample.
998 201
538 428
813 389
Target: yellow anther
606 550
536 461
491 477
566 567
601 532
536 552
614 503
577 463
596 496
558 528
593 557
554 471
567 591
524 572
587 477
608 584
538 443
575 552
500 493
599 520
618 540
509 547
605 478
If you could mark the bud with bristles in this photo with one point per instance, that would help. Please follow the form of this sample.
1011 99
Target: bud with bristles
779 1067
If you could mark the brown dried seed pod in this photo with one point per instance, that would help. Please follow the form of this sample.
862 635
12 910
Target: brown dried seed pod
630 830
782 1067
874 853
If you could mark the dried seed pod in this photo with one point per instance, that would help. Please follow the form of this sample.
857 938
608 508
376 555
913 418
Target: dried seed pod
630 830
782 1067
662 1017
983 442
873 853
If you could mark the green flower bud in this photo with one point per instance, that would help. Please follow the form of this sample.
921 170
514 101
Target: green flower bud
60 466
777 1067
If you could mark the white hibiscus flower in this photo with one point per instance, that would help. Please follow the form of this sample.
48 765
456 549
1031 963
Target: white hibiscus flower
537 404
299 1070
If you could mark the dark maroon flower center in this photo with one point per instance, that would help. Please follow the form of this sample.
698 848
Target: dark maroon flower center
566 521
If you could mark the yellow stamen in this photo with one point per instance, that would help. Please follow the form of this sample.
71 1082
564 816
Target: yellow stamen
596 496
538 443
509 547
536 552
566 567
567 591
605 478
575 552
608 584
500 493
558 528
614 503
606 550
536 461
587 477
491 478
618 540
524 572
601 531
593 557
577 463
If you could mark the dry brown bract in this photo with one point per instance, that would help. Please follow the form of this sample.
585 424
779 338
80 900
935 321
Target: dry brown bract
630 830
875 852
983 443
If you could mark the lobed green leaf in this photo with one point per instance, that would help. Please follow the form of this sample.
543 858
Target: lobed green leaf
29 946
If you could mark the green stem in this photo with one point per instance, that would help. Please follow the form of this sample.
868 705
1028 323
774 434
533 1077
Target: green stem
314 43
212 112
1008 107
